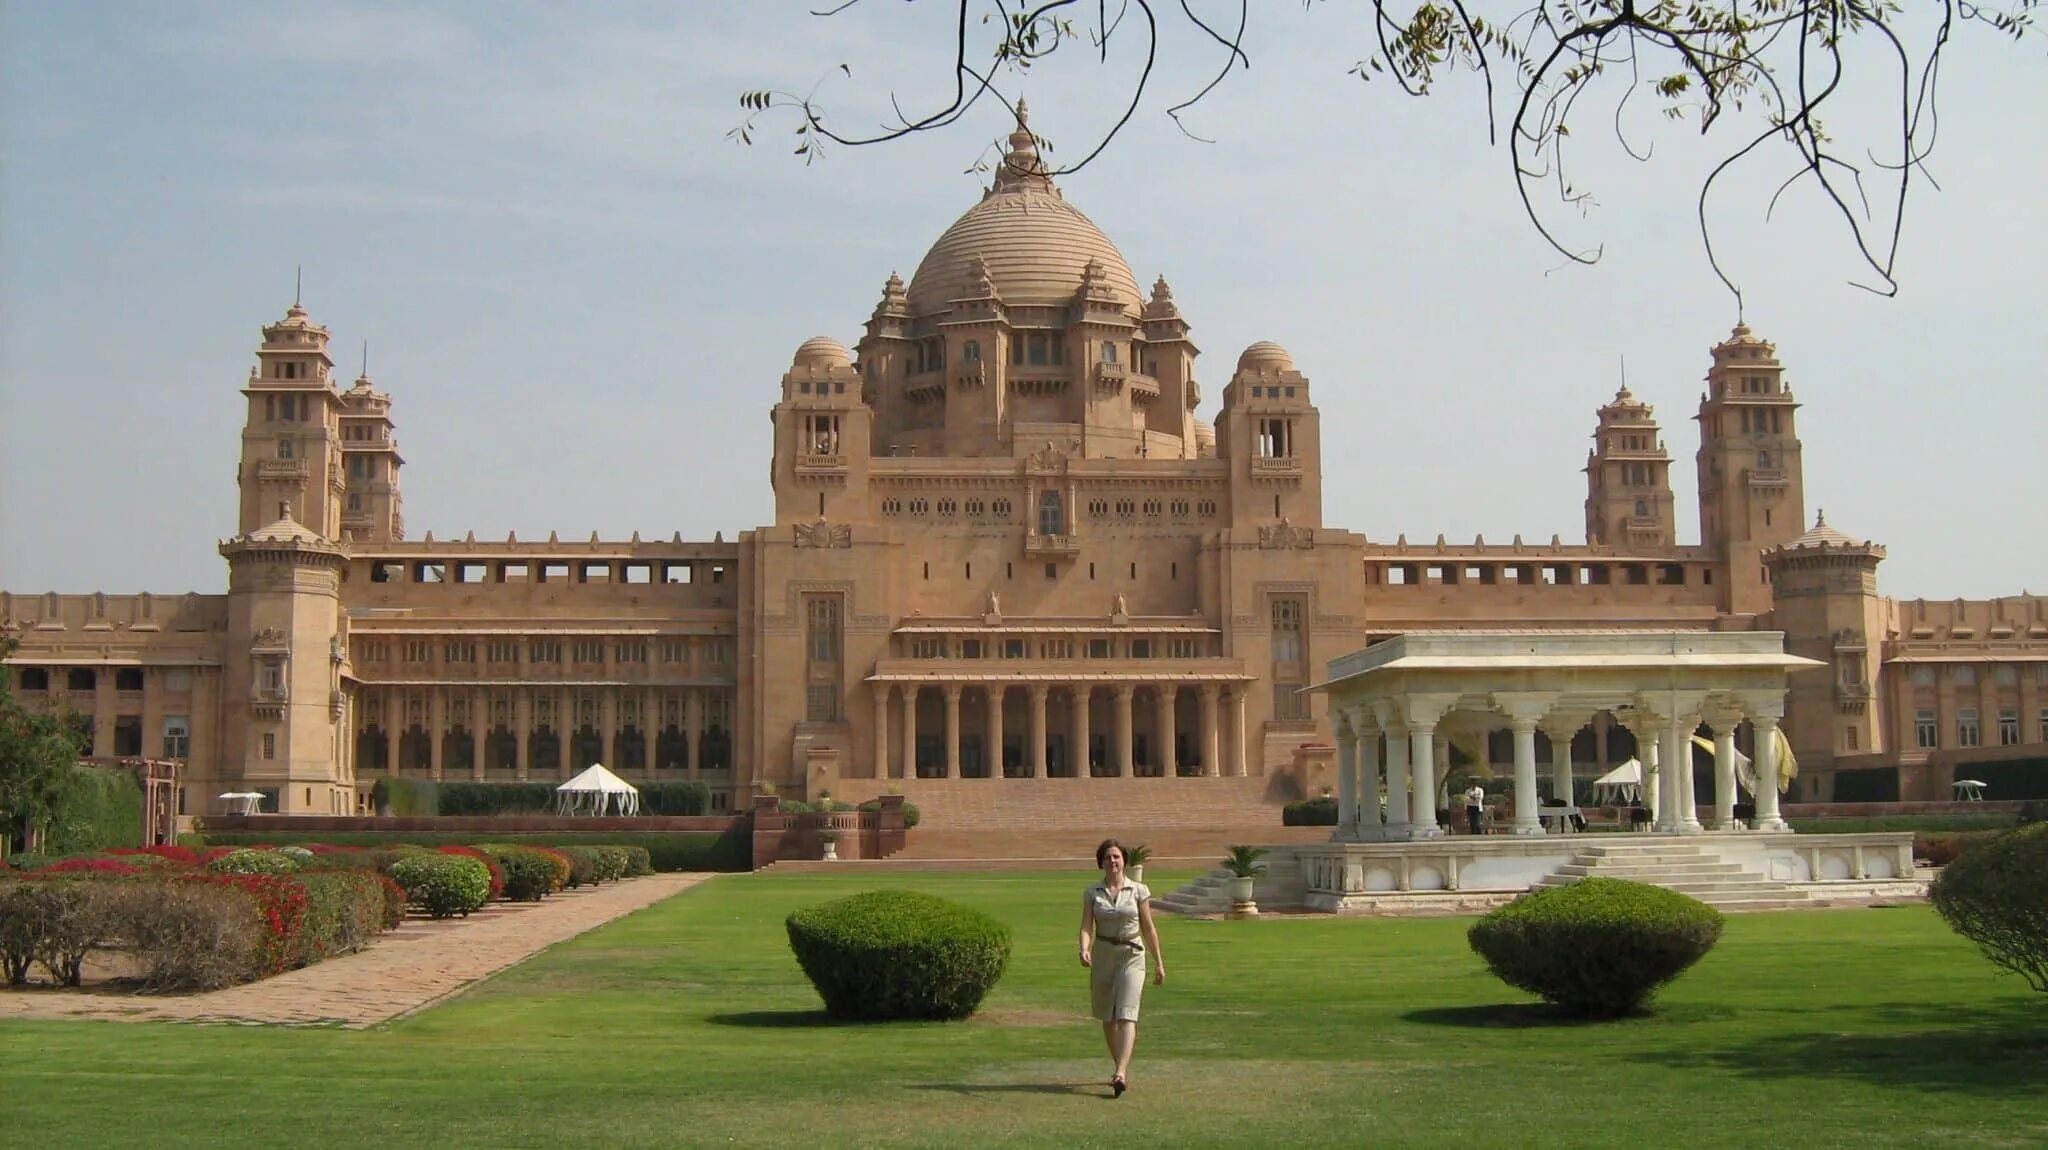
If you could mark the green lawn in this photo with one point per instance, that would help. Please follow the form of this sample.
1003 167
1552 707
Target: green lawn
689 1024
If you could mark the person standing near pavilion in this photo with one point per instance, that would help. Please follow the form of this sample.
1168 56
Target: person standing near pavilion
1117 914
1475 806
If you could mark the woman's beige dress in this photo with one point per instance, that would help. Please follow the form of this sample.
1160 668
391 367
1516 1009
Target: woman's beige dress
1116 974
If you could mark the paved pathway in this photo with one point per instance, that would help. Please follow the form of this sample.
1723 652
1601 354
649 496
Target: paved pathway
415 966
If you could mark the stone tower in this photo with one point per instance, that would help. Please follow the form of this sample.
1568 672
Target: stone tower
1628 479
1272 435
1824 595
822 433
281 682
1752 496
291 446
372 510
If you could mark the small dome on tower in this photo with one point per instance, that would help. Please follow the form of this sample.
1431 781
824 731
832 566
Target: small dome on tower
821 351
1205 440
1266 357
1822 535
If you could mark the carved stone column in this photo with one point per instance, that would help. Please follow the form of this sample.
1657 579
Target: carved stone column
1124 694
1209 715
1083 695
953 729
992 730
1035 733
880 691
1163 730
906 766
437 720
522 730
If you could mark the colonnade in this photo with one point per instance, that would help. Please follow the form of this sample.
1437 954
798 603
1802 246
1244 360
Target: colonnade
1395 742
701 717
1216 741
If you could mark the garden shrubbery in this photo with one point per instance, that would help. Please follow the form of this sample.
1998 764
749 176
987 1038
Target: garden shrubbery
247 861
1997 897
1598 947
899 954
444 885
1320 812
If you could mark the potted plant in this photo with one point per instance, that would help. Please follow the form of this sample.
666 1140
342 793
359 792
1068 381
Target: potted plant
1244 866
1134 861
829 838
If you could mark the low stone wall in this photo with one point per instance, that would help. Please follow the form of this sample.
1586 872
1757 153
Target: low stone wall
859 834
1896 810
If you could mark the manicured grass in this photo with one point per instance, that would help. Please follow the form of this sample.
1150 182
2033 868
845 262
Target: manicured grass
689 1024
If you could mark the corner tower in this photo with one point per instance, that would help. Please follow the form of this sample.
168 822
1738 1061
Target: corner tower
1824 596
1628 479
1752 495
372 511
1272 435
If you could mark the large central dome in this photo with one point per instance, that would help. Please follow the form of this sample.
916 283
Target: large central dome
1035 243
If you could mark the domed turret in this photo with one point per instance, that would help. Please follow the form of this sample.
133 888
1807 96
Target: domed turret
821 351
1265 358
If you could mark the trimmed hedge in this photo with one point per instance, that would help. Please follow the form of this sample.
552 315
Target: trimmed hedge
344 911
529 873
445 886
911 815
899 954
1598 947
1319 812
732 850
1997 897
248 861
496 798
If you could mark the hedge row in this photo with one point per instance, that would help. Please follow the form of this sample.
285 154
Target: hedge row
732 850
425 797
189 928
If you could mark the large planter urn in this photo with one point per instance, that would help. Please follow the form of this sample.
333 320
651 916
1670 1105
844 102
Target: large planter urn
1138 873
831 850
1241 895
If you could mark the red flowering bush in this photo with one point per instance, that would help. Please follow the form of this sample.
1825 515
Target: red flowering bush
490 864
280 907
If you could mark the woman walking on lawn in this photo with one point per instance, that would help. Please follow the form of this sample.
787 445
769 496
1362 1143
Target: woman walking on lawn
1117 913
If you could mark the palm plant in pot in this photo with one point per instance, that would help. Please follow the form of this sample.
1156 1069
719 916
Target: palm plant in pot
1244 864
1134 861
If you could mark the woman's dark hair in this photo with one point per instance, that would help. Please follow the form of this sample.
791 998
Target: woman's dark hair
1102 852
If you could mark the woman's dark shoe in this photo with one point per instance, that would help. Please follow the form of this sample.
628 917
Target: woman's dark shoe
1118 1085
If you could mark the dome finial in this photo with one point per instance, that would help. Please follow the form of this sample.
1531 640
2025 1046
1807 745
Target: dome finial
1820 517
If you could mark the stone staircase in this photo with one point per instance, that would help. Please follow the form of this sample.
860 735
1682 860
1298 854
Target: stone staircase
1683 867
1207 894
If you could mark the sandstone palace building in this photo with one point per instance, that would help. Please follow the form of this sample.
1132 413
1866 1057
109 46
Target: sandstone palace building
1005 547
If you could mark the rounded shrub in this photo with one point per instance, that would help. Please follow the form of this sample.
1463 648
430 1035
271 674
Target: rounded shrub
1598 947
638 861
612 862
582 864
899 954
443 885
1996 895
248 860
529 874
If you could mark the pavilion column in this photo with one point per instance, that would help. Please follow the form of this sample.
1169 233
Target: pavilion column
437 717
394 719
1398 805
522 729
1366 751
1649 732
479 709
953 691
1125 692
992 731
1526 822
1422 793
1685 800
1561 761
906 755
1767 817
1034 731
1163 730
1082 694
1209 713
1724 773
880 693
1347 780
1239 735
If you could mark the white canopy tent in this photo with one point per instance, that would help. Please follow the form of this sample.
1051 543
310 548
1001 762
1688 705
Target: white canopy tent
243 802
1623 784
597 791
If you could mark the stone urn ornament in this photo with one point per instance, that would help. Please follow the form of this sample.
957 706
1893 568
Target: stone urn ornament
829 840
1134 861
1244 864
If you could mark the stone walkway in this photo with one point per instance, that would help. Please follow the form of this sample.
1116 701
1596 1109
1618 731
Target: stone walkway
408 969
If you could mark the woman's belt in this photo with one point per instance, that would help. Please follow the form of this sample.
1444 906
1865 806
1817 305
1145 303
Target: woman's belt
1133 943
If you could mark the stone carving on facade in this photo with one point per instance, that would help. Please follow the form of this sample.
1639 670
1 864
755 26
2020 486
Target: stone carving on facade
1048 458
1285 536
823 534
269 638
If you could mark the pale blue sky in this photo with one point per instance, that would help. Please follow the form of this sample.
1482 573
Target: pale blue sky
582 296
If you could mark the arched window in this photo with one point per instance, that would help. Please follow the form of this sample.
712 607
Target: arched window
1052 519
1763 460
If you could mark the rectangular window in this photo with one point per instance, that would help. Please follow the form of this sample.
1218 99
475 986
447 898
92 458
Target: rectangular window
587 651
927 647
1967 734
1923 676
544 651
1924 729
128 734
2041 735
459 651
502 651
970 648
1141 648
1289 657
1014 649
1965 676
822 642
2008 727
675 650
1287 631
1184 648
1056 649
269 745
